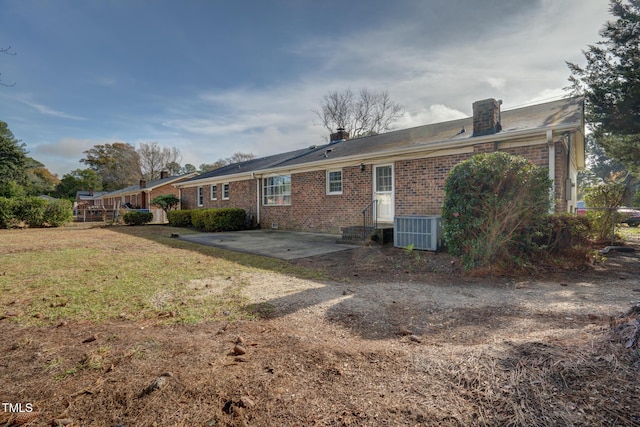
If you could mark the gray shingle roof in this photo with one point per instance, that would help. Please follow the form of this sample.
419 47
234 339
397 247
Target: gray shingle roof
566 112
150 185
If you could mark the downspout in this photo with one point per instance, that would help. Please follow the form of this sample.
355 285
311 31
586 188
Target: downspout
569 195
552 169
257 198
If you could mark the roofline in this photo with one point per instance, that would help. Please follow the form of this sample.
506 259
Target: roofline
121 192
428 148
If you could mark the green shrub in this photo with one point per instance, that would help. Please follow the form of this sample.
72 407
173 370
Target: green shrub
7 213
137 218
31 210
607 197
198 218
34 212
166 202
494 209
181 218
223 219
58 212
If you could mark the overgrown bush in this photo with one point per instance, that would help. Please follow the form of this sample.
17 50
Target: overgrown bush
607 198
31 211
58 212
137 218
181 218
34 212
565 232
223 219
494 209
7 212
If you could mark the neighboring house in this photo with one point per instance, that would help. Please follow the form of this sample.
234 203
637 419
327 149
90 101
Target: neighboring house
326 188
140 196
87 199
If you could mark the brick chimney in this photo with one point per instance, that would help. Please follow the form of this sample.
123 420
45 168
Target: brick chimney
164 174
143 183
340 135
486 117
91 192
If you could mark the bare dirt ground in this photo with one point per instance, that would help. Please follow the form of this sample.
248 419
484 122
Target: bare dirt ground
394 339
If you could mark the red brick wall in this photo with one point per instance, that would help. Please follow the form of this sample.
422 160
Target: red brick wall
313 210
538 154
419 190
419 184
562 173
242 194
159 191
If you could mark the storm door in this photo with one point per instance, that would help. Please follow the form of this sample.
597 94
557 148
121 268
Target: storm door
383 192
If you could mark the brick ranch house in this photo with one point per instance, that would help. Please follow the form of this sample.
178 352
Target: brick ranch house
139 196
326 188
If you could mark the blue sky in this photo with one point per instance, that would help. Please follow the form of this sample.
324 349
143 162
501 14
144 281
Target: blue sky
212 77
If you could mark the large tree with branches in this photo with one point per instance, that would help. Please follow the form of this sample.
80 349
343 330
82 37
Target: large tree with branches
154 158
362 114
117 164
610 83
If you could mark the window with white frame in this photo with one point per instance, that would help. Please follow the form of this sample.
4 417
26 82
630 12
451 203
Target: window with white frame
214 192
276 190
334 181
225 191
200 197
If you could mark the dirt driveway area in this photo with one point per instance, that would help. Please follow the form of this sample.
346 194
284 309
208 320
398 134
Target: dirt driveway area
394 338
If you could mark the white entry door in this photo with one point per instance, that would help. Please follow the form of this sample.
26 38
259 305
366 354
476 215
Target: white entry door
383 192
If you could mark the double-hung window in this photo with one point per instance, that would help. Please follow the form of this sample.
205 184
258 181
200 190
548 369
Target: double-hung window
200 196
214 192
334 181
276 190
225 191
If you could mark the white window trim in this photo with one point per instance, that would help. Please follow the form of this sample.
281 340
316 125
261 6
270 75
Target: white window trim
212 187
334 193
200 196
225 185
264 179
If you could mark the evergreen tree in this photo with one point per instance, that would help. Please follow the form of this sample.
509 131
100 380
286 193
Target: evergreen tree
610 83
13 161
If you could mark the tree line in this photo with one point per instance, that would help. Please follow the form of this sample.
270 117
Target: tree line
108 167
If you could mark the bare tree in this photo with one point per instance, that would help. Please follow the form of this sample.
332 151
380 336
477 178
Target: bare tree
368 113
7 51
154 158
239 156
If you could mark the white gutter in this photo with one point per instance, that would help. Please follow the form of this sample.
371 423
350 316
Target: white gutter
552 169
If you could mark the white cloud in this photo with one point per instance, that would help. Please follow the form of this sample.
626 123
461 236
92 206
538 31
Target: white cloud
64 155
43 109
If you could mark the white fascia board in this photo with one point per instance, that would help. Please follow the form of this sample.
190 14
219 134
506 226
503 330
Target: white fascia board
216 180
433 149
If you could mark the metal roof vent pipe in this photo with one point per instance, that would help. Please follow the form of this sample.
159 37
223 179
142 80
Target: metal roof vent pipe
340 135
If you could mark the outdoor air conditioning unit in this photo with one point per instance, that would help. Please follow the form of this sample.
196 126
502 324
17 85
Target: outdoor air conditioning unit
423 232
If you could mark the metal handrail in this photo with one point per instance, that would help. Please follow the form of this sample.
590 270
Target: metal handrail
369 218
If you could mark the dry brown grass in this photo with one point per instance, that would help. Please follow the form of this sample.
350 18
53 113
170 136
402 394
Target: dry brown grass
475 365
